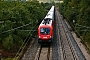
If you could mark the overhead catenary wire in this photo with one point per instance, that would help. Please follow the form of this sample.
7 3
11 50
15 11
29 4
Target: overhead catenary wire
21 47
16 28
24 43
26 39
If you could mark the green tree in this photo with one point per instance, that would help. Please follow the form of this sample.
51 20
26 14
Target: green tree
78 10
16 14
8 42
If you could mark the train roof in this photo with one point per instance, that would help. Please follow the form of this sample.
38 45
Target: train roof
52 8
48 18
50 13
47 23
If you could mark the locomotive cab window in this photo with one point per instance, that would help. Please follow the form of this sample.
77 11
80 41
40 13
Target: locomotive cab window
45 31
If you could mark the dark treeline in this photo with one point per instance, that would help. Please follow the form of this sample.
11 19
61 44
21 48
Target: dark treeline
15 14
77 13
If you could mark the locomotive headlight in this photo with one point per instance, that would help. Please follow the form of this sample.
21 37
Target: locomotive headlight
50 36
39 37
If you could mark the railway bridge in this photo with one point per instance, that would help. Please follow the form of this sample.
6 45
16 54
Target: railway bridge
64 46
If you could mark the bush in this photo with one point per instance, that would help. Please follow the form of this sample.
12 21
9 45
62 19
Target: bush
7 43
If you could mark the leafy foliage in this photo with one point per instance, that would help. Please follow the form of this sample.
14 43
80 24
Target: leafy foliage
78 10
8 42
15 14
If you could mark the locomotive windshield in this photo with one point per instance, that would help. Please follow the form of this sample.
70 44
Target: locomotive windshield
45 30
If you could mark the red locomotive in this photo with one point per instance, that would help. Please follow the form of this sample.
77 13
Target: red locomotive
45 29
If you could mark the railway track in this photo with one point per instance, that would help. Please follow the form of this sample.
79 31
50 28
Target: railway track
66 48
38 52
31 50
44 53
68 52
63 47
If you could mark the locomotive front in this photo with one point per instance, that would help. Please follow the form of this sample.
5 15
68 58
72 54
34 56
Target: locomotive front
45 29
45 34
